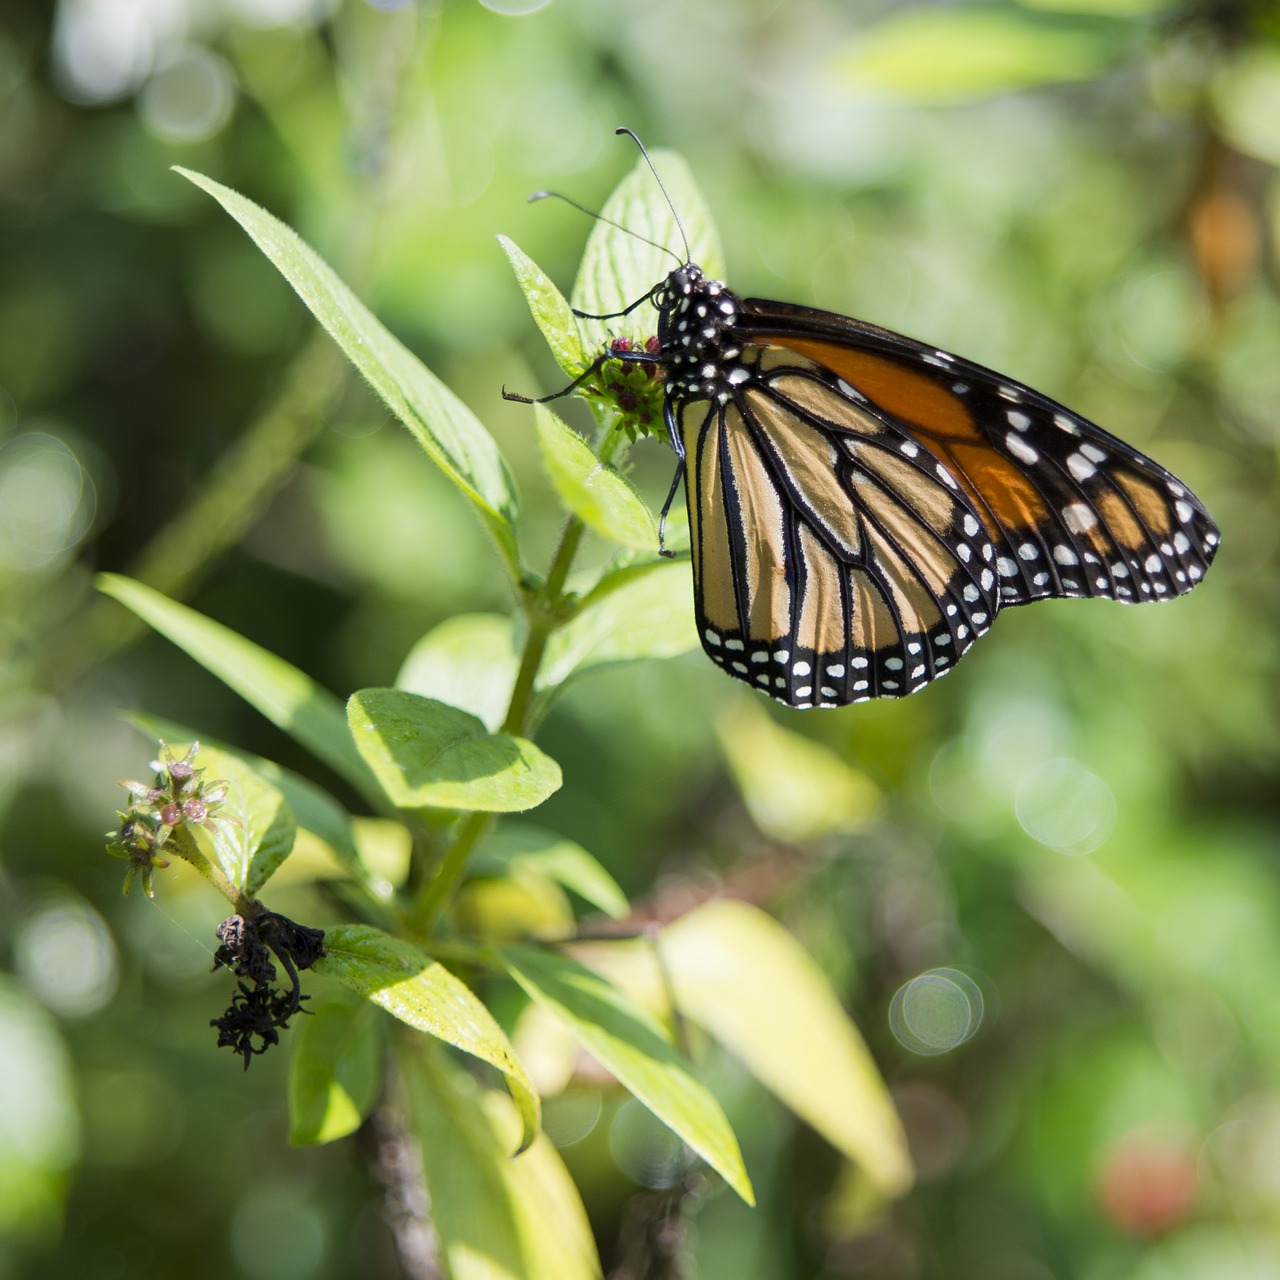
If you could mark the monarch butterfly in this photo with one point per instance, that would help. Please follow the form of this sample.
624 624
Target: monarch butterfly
861 505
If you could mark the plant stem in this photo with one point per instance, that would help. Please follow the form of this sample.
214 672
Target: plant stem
183 844
544 608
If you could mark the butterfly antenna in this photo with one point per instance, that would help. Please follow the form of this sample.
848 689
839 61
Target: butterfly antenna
559 195
688 253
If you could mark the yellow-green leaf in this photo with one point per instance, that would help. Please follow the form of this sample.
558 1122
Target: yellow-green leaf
796 788
742 976
959 53
550 310
627 1041
335 1073
597 495
497 1218
421 992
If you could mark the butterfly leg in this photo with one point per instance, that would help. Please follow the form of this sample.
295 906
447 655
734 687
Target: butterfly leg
589 372
626 357
677 444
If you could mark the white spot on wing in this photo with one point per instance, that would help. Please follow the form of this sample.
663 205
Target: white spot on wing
1078 517
1020 448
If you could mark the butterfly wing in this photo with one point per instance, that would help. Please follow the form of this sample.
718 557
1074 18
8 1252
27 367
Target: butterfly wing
834 559
1071 509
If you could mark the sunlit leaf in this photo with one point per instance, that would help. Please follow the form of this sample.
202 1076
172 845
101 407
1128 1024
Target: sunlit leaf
252 831
428 755
626 1040
795 788
645 611
952 54
598 496
617 269
521 905
521 845
450 433
742 976
421 992
550 310
282 693
468 661
497 1218
335 1072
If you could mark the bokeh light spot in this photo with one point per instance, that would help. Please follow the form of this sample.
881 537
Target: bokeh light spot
1065 806
39 1128
277 1236
645 1149
936 1012
190 97
47 500
65 954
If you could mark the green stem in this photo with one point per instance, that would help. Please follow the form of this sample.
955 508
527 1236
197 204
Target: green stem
183 844
544 608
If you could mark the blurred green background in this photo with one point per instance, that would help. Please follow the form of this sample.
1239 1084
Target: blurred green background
1080 828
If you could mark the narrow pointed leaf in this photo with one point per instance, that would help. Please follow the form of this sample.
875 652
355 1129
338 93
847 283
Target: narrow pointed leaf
288 698
521 846
645 611
597 495
468 661
448 431
617 268
497 1218
743 977
335 1072
631 1045
428 755
550 310
421 992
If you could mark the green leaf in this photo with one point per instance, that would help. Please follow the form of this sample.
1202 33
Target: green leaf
643 611
468 661
950 55
627 1041
288 698
335 1074
597 495
521 846
497 1218
617 269
550 310
314 809
796 789
428 755
450 433
251 833
421 992
743 977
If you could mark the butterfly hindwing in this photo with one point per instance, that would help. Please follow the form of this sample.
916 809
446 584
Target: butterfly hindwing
834 560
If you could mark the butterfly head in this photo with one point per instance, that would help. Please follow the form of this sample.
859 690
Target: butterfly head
696 318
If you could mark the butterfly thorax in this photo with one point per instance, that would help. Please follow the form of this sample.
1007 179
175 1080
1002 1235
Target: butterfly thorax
698 346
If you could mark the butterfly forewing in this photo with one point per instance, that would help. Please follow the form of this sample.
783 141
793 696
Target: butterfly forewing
1072 510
